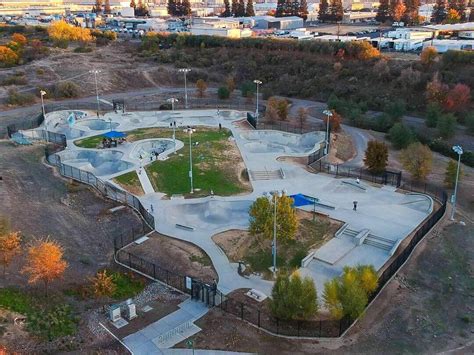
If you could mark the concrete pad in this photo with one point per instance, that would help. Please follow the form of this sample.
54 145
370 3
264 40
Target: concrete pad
335 249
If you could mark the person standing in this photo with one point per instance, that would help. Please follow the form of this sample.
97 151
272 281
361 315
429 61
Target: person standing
355 205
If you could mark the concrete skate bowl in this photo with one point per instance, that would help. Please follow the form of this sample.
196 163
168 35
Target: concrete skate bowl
98 162
268 141
146 148
418 202
232 115
97 124
210 215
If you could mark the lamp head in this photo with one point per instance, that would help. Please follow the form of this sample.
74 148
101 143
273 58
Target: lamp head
458 149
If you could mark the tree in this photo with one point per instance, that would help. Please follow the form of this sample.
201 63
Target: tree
103 285
395 109
470 123
230 84
446 126
453 16
171 7
45 262
282 109
280 9
235 7
223 93
249 11
8 57
458 98
134 5
428 55
400 136
334 121
336 11
98 6
471 13
433 114
141 9
451 172
107 8
293 298
247 89
20 39
376 157
411 15
303 10
226 12
439 12
60 31
262 218
347 295
9 247
323 14
417 159
302 116
271 114
240 9
398 9
383 12
459 6
201 87
436 91
185 8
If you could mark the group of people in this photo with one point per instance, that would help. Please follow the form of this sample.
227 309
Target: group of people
109 143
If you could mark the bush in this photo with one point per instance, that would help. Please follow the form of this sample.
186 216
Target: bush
451 172
83 49
248 89
15 80
469 120
400 136
433 113
8 57
446 126
376 157
19 99
223 93
417 159
66 89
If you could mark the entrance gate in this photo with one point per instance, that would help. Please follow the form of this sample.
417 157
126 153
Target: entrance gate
203 292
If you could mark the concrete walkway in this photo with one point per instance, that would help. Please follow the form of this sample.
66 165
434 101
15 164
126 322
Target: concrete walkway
145 181
168 331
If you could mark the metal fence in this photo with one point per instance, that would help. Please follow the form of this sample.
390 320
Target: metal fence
105 188
292 128
388 177
30 124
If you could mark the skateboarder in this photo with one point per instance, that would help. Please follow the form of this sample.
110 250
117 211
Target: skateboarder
355 205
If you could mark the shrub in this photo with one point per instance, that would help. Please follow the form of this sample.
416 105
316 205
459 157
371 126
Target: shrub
66 89
433 113
223 93
451 172
19 99
470 123
8 57
83 49
61 32
248 89
446 125
19 38
15 80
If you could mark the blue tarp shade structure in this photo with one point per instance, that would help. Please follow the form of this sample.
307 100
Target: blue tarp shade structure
114 134
301 200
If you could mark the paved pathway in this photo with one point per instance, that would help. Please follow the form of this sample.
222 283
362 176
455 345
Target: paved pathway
168 331
145 181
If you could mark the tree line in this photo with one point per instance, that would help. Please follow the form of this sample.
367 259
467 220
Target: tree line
238 9
330 11
97 8
292 8
451 11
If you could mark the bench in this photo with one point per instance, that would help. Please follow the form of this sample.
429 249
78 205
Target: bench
256 295
182 226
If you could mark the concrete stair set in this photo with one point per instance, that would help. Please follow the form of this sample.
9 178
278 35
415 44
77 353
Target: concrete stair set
265 175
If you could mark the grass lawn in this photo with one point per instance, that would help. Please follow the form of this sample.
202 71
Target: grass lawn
127 285
130 182
90 142
217 164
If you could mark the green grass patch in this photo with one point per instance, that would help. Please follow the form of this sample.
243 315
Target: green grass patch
204 259
44 319
127 285
90 142
130 182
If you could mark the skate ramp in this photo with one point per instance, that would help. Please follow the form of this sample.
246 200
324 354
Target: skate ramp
268 141
97 124
146 148
100 163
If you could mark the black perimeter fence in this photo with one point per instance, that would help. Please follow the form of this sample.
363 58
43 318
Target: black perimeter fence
260 316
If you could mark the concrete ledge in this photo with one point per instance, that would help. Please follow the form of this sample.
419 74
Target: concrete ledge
341 230
182 226
359 238
395 247
355 184
305 262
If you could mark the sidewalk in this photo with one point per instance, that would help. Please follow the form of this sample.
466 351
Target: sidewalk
145 181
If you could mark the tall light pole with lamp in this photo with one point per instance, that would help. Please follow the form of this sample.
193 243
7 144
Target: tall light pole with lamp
185 71
328 113
42 93
273 197
258 83
457 149
190 131
95 72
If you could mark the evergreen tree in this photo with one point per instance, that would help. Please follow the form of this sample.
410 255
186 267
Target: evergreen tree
280 10
336 11
141 9
249 11
303 10
323 14
107 9
185 8
171 7
439 11
226 12
397 9
235 7
240 9
471 13
98 6
133 4
383 12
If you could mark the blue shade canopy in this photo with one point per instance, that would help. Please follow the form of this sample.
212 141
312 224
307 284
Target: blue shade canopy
114 134
301 200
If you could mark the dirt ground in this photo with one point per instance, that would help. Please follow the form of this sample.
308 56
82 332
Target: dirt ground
176 256
40 204
426 309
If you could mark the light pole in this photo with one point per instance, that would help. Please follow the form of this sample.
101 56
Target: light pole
42 93
95 72
273 197
257 82
190 131
172 100
329 114
185 71
459 151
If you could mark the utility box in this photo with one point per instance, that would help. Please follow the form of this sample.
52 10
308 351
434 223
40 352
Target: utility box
115 314
131 311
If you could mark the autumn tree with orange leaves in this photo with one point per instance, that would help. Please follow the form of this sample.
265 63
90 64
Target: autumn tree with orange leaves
45 262
103 285
10 245
60 31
